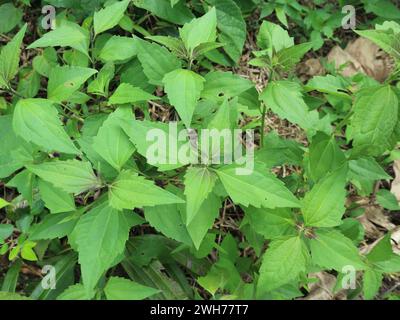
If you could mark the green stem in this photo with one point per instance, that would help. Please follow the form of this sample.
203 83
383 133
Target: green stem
264 111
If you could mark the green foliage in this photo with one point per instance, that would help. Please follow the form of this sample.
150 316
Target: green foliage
88 109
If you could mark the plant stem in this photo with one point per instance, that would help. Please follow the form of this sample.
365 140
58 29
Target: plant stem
264 110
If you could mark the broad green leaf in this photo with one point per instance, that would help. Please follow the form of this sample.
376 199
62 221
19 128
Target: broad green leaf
119 48
43 63
6 230
10 16
100 236
25 182
323 206
168 220
324 156
183 88
368 168
12 296
109 16
74 292
328 84
204 220
371 283
179 13
199 182
101 84
273 37
200 30
175 45
127 93
226 84
37 121
9 58
374 120
387 200
27 252
14 151
332 250
3 203
232 27
159 146
259 189
67 34
289 57
11 277
111 142
271 223
285 99
56 200
65 80
283 262
72 176
131 191
54 226
123 289
156 61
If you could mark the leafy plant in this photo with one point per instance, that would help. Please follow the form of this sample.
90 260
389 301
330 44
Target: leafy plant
83 193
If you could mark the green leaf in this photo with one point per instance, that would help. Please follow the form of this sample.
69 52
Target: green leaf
12 296
3 203
289 57
100 236
11 278
199 182
109 17
131 191
368 168
273 37
54 226
200 30
56 200
156 61
10 16
163 157
285 99
9 58
111 142
204 220
6 230
387 200
119 48
123 289
127 93
324 156
328 84
37 121
271 223
227 84
374 120
388 40
168 220
371 283
323 206
283 262
67 34
183 88
72 176
74 292
179 13
332 250
65 80
259 189
27 252
232 27
100 85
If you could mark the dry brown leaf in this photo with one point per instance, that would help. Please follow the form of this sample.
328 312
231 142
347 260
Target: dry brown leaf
322 289
341 57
